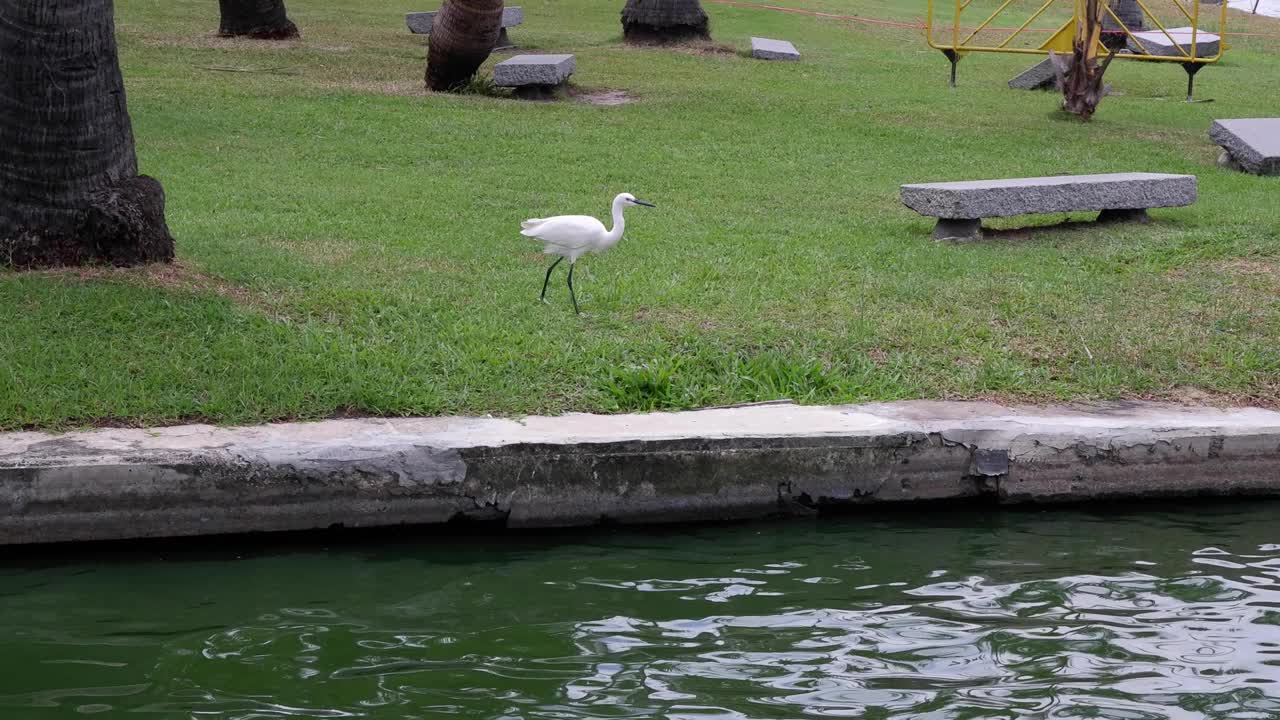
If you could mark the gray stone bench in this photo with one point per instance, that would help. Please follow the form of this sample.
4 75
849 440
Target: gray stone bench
420 23
961 206
1249 144
533 76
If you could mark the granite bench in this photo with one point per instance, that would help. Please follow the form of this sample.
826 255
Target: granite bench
961 206
533 76
420 23
1249 144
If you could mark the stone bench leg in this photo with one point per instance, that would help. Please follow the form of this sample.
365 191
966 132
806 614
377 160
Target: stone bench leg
1137 215
503 41
539 92
957 230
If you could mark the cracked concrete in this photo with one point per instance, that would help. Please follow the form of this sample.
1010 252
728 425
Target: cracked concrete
574 470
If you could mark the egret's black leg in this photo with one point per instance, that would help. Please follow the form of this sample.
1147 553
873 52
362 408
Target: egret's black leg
571 295
544 282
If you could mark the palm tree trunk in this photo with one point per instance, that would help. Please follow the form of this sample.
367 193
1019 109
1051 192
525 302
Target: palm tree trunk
462 37
70 192
1130 13
664 21
1080 77
262 19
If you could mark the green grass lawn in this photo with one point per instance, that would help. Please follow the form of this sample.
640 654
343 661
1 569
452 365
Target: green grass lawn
349 243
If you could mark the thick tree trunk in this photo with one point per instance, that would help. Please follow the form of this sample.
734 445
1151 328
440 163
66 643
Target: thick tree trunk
462 37
69 186
648 21
262 19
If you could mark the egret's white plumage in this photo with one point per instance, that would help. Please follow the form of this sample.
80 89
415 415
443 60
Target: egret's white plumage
571 236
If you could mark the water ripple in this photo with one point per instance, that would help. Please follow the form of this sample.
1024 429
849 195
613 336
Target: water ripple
1066 615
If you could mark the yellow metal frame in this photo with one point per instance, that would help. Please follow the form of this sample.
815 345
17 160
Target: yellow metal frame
1061 40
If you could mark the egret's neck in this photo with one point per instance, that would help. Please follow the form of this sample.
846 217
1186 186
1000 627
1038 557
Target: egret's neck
615 234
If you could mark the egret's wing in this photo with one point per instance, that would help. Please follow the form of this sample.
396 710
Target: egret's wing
565 231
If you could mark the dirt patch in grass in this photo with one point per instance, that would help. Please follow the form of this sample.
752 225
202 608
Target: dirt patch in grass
333 253
416 87
602 97
1250 268
1200 397
675 317
705 49
217 42
399 88
689 47
1250 271
177 276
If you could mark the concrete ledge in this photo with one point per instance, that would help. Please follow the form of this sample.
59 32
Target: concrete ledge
582 469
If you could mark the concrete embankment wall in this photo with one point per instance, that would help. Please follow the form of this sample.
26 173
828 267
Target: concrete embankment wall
577 470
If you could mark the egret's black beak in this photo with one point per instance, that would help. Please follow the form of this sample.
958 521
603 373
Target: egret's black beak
641 202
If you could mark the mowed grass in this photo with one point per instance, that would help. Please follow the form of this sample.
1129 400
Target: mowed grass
349 243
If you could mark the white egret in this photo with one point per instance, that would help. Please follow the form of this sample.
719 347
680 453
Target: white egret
570 236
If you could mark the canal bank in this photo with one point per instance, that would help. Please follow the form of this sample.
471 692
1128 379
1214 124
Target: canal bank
577 470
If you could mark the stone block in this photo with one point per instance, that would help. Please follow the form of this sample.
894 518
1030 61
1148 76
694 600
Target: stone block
524 70
1041 76
420 22
1176 43
766 49
1253 143
512 16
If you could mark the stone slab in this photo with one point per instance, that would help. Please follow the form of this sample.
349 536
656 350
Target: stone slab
420 22
523 70
575 470
1041 76
769 49
978 199
1157 43
1254 143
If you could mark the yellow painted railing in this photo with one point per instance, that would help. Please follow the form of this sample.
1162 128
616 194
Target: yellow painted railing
1185 48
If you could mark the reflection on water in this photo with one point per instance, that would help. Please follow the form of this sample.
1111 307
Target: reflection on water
1169 614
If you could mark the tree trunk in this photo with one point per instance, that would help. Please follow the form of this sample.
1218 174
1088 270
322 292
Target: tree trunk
262 19
462 37
649 21
1130 13
70 192
1080 77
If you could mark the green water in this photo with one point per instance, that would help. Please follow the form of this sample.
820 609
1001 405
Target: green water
1172 613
